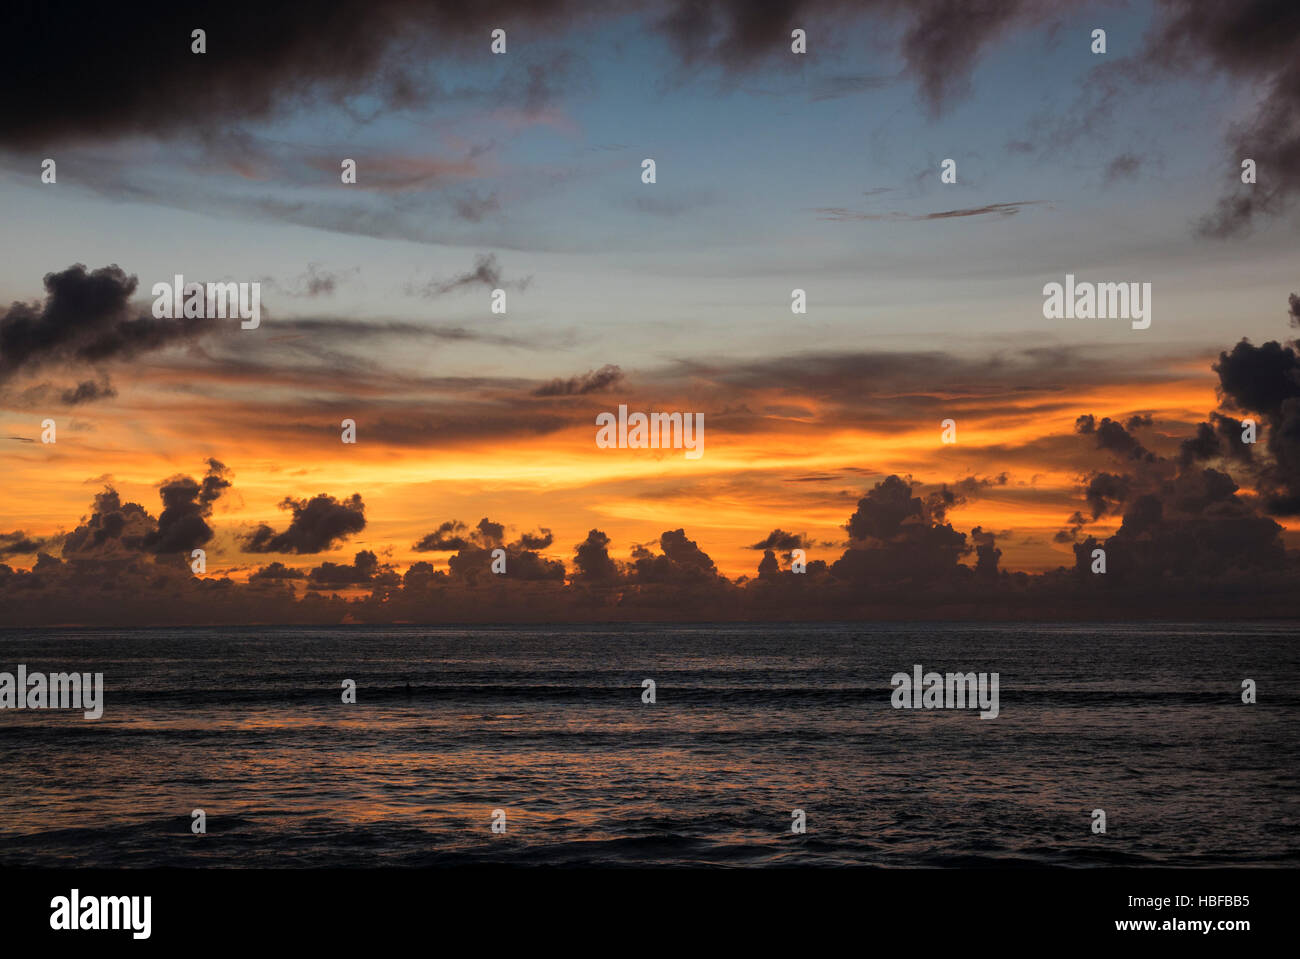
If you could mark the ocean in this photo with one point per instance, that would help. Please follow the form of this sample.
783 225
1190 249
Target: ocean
749 724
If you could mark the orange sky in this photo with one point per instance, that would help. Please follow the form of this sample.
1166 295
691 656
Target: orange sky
798 473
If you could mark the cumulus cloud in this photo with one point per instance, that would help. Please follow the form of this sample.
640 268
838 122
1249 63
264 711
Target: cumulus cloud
114 527
593 562
315 527
780 539
1264 380
364 568
19 543
446 538
895 535
276 572
86 319
182 525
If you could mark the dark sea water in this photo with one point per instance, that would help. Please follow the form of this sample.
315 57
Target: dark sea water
752 722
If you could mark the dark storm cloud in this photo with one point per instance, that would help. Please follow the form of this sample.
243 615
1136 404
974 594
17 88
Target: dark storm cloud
453 536
260 59
593 381
1189 531
182 525
114 527
682 562
1112 436
111 527
941 41
489 533
276 572
780 539
1256 42
264 60
472 563
446 538
316 524
1184 524
541 539
1138 421
987 554
1220 437
473 566
86 318
591 557
19 543
971 487
896 536
364 568
1265 380
1253 43
1105 492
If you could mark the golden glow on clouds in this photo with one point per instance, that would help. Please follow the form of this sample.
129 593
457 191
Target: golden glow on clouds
794 473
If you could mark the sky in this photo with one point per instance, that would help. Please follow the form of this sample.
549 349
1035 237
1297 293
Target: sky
522 171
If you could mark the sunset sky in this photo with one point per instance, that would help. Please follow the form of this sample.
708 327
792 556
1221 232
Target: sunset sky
522 171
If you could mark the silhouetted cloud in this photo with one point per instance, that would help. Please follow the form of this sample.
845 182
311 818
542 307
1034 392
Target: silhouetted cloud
1265 380
896 536
593 381
542 539
276 572
446 538
365 568
19 543
454 535
1253 41
316 524
111 527
780 539
114 527
86 318
182 524
591 557
1112 436
1105 493
260 60
682 561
